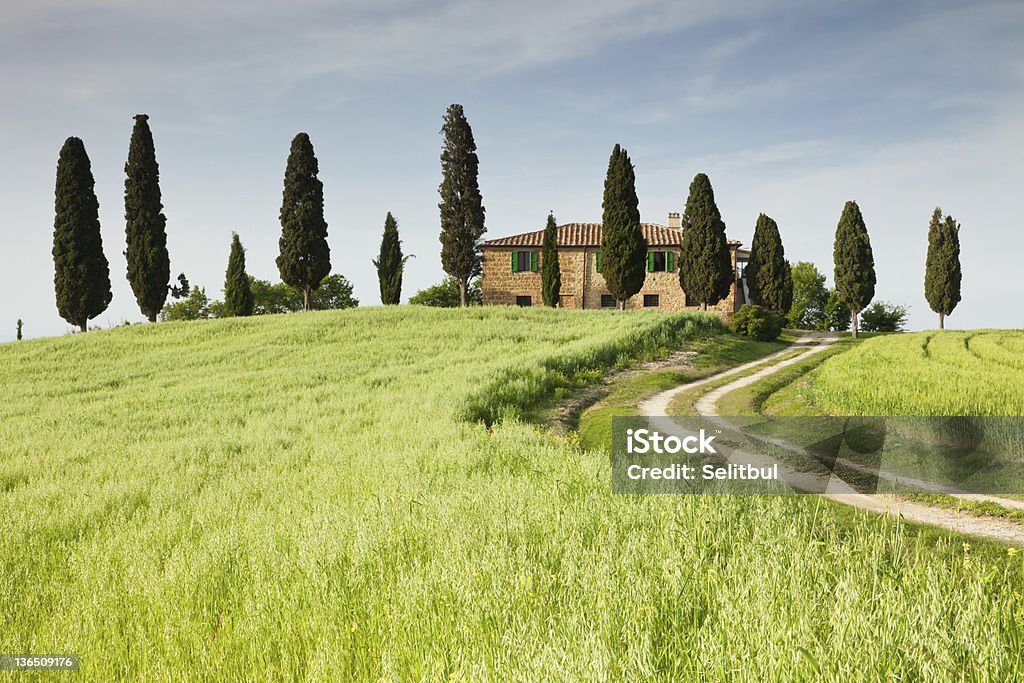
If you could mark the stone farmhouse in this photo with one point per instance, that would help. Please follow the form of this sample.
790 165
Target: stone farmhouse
511 270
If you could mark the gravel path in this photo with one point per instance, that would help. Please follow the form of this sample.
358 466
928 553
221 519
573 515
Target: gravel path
997 529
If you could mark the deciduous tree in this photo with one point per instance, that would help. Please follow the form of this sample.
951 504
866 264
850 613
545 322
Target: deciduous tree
883 317
446 294
809 296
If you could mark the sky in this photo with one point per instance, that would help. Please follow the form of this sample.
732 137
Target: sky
791 107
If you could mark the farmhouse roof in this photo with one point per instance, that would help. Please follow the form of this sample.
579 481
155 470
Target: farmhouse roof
589 235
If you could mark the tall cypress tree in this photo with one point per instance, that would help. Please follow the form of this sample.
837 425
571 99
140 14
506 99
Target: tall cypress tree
390 263
623 247
705 265
854 263
768 276
942 271
305 258
462 210
550 270
238 299
149 265
81 274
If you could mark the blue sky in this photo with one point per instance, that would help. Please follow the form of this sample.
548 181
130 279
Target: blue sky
790 107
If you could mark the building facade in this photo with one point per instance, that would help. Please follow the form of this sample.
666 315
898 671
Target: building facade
511 270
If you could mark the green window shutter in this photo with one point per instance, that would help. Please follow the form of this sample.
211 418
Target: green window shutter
597 261
650 262
533 262
513 262
670 261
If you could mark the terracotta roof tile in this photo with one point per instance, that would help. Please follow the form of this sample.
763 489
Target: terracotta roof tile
589 235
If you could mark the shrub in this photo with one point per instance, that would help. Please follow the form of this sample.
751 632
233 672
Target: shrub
446 294
757 322
883 317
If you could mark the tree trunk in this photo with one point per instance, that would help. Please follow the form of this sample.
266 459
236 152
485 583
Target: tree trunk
704 306
853 323
462 293
152 317
942 321
84 326
306 303
622 305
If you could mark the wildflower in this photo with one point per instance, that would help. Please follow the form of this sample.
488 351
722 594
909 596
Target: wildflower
1011 551
967 547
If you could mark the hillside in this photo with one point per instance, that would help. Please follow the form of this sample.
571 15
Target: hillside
313 496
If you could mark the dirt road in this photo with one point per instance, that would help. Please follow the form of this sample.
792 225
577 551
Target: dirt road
998 529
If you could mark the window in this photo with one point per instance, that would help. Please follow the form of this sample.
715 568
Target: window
597 261
524 262
651 300
607 301
524 300
661 261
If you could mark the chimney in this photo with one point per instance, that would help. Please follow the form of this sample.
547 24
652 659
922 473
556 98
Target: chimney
674 221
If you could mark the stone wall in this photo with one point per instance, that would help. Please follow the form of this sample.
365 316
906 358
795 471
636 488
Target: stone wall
582 285
501 286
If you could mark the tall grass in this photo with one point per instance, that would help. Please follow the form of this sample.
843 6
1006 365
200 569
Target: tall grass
300 498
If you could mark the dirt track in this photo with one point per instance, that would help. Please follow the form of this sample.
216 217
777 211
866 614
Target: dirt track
1003 530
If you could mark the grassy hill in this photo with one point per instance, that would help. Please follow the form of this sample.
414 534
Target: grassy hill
317 496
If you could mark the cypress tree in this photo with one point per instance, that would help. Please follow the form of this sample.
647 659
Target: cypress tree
390 263
149 265
768 276
550 271
305 258
787 288
19 329
461 206
854 263
81 275
942 271
705 265
238 299
623 247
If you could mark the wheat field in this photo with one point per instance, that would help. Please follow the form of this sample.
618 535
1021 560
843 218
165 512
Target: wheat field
352 496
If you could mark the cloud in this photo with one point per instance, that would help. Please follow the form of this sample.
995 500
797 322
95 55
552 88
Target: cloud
274 46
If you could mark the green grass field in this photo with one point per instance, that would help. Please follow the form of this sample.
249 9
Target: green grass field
927 373
317 497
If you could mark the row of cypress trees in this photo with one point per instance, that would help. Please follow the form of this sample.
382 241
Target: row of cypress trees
82 278
82 272
705 264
